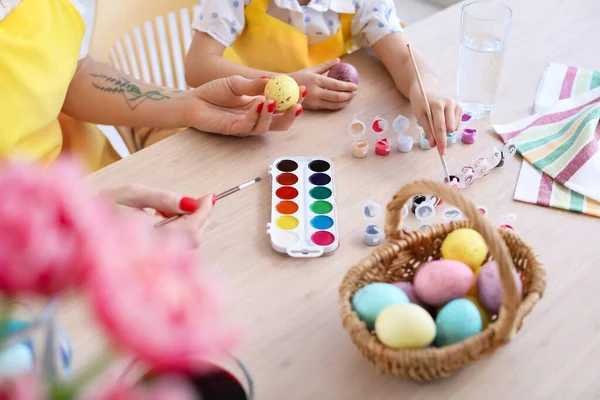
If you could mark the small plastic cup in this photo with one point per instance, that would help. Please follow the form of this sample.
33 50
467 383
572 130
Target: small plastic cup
360 148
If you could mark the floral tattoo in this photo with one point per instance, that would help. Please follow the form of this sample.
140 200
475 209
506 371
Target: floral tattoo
133 94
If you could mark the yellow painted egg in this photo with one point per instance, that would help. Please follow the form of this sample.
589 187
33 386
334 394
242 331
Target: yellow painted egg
405 326
473 291
465 245
485 317
284 90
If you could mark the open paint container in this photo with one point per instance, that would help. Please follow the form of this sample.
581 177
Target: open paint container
303 210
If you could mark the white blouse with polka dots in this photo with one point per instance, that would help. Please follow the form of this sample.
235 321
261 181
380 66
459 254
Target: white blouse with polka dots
373 19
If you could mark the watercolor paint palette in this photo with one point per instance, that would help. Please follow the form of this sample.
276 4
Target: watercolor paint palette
303 209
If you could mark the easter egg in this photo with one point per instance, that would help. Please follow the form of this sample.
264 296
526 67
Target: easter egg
344 72
370 300
441 281
405 326
473 291
485 317
457 321
409 290
489 287
465 245
284 90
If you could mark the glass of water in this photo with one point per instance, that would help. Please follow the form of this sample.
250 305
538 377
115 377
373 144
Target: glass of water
484 29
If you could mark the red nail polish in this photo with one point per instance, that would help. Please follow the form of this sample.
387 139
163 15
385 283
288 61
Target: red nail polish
263 77
188 204
305 92
299 111
259 108
214 199
271 108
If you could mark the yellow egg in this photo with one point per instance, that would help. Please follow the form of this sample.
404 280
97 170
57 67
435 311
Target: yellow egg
465 245
284 90
473 291
485 317
405 326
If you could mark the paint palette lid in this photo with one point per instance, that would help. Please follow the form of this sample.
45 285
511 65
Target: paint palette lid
401 124
357 128
379 125
452 213
372 210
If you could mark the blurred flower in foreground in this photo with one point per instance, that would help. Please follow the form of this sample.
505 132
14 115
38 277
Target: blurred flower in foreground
161 389
153 303
24 387
52 230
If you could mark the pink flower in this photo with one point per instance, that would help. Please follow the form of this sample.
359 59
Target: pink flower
153 303
51 228
162 389
24 387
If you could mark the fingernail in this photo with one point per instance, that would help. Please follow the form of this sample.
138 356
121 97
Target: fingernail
271 107
214 199
299 111
188 204
263 77
304 92
162 214
259 108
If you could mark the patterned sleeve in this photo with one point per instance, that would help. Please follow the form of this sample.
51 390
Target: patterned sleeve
373 20
223 20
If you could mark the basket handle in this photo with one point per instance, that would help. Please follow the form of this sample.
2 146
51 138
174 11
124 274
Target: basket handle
505 325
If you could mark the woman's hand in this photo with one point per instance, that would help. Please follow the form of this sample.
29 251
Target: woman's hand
236 106
324 93
138 198
446 114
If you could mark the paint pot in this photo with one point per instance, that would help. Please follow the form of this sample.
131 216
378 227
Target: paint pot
372 210
507 227
451 139
404 211
360 148
319 166
451 214
425 211
322 238
424 142
319 179
357 128
405 143
482 209
482 168
383 148
509 150
372 236
469 136
379 126
417 200
454 182
468 174
501 163
401 124
495 157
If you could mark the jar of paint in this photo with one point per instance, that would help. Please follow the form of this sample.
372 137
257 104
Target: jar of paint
405 143
372 236
469 135
379 126
424 142
451 139
360 148
383 147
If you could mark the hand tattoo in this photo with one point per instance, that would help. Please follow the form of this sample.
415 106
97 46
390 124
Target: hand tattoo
134 96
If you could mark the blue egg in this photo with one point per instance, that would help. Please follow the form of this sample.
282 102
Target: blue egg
369 301
457 321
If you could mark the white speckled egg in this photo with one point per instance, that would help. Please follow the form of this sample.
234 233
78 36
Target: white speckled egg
284 90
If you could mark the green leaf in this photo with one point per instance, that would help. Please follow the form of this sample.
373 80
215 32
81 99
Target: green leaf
134 89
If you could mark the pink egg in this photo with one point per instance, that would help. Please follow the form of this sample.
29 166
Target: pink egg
439 282
409 290
489 287
344 72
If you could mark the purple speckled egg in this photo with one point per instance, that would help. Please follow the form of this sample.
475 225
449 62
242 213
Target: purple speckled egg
489 287
409 291
344 72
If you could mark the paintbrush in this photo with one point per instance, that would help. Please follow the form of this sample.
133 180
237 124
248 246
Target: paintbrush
217 197
427 108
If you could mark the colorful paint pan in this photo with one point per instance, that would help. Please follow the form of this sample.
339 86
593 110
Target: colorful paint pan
303 212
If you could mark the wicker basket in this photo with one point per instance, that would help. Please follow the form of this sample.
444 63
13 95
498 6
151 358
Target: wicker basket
398 260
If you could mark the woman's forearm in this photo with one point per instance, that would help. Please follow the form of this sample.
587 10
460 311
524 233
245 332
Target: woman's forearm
204 63
100 94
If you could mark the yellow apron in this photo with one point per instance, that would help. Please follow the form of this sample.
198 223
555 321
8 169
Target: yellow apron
272 45
40 42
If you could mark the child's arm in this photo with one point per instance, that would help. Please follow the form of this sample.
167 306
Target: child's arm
205 62
446 112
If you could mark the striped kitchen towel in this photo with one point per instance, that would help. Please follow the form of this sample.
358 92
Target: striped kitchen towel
561 140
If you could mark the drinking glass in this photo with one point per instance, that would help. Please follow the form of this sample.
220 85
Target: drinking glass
484 27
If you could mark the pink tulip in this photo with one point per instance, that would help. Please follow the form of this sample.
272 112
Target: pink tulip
162 389
51 228
24 387
154 304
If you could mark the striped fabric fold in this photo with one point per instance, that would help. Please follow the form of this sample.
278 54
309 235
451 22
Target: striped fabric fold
559 143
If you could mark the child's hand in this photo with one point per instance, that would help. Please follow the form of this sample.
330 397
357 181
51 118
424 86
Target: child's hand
446 114
324 93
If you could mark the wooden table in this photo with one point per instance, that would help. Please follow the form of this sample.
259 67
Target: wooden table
296 346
